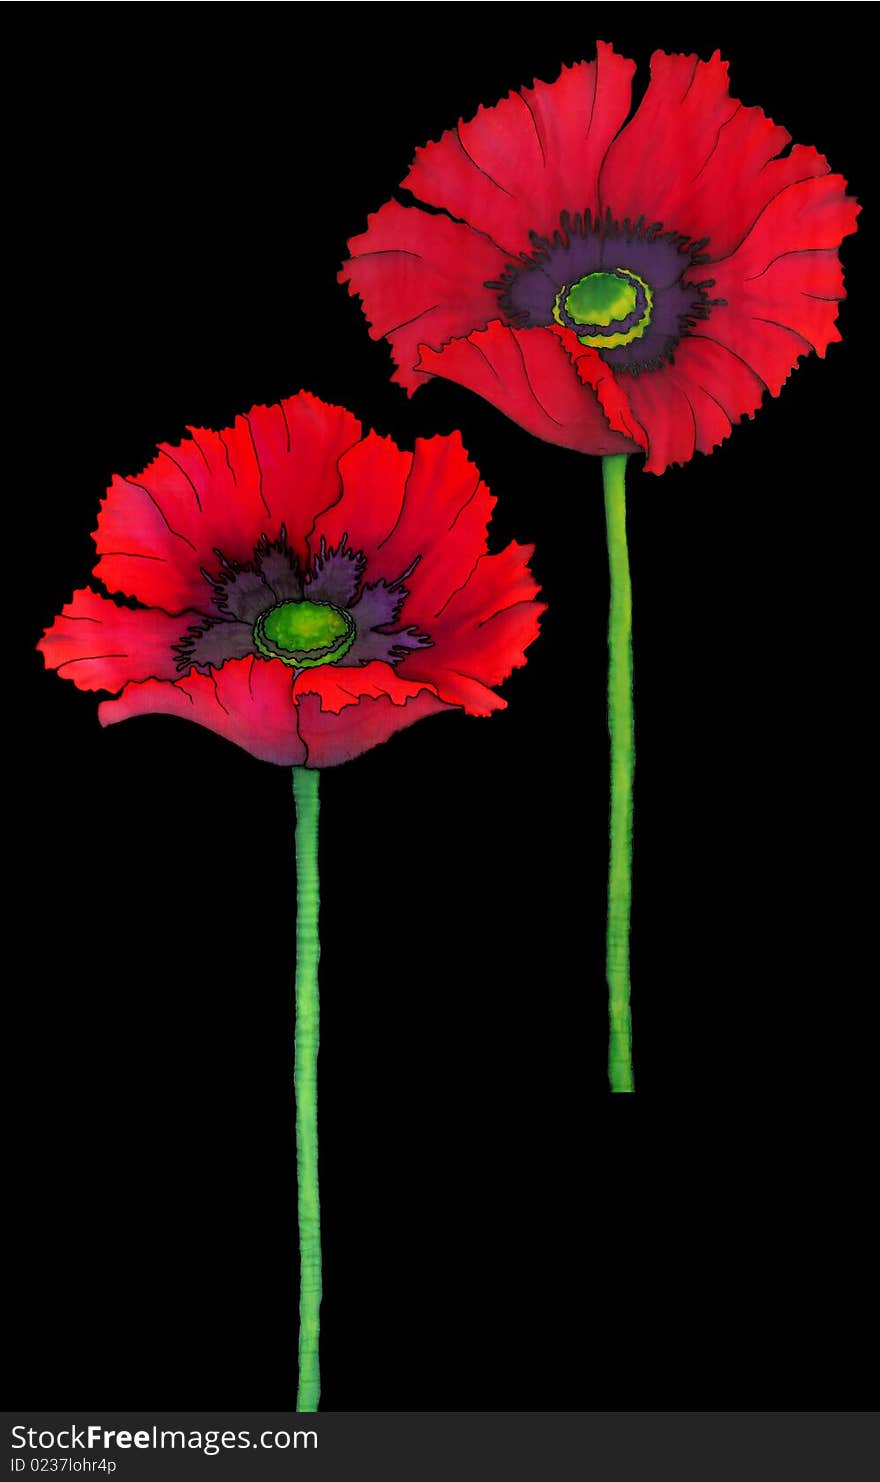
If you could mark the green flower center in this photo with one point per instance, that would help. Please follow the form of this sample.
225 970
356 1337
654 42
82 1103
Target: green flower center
613 308
304 634
601 298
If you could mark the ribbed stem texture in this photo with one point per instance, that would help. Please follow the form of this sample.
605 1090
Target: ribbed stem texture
622 735
305 1080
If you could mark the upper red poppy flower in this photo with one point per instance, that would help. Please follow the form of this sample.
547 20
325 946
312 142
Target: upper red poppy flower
306 591
611 286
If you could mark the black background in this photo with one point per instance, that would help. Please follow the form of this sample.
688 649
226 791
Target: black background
499 1232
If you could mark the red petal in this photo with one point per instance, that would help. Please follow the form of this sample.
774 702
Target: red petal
444 520
595 372
800 290
808 216
397 507
248 701
527 375
101 646
333 739
338 687
691 404
668 417
220 489
343 712
481 632
298 444
516 166
696 160
422 279
783 284
369 501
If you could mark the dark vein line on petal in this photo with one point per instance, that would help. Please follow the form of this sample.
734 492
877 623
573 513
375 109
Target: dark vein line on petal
294 700
228 460
333 502
693 420
259 465
537 399
520 602
792 252
286 423
420 315
389 251
690 84
593 99
402 504
721 346
775 197
788 329
496 183
200 448
470 499
89 659
213 679
171 459
526 104
442 609
737 109
481 352
706 392
153 500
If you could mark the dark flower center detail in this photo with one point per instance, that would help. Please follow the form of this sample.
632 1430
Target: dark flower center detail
605 309
304 634
268 608
618 287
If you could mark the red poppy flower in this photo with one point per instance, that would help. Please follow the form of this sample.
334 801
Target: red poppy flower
303 590
611 286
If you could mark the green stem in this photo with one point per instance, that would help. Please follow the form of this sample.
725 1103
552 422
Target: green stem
305 1081
622 734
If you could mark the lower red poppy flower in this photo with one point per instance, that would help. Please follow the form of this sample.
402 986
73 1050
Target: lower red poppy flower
612 286
301 589
305 591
